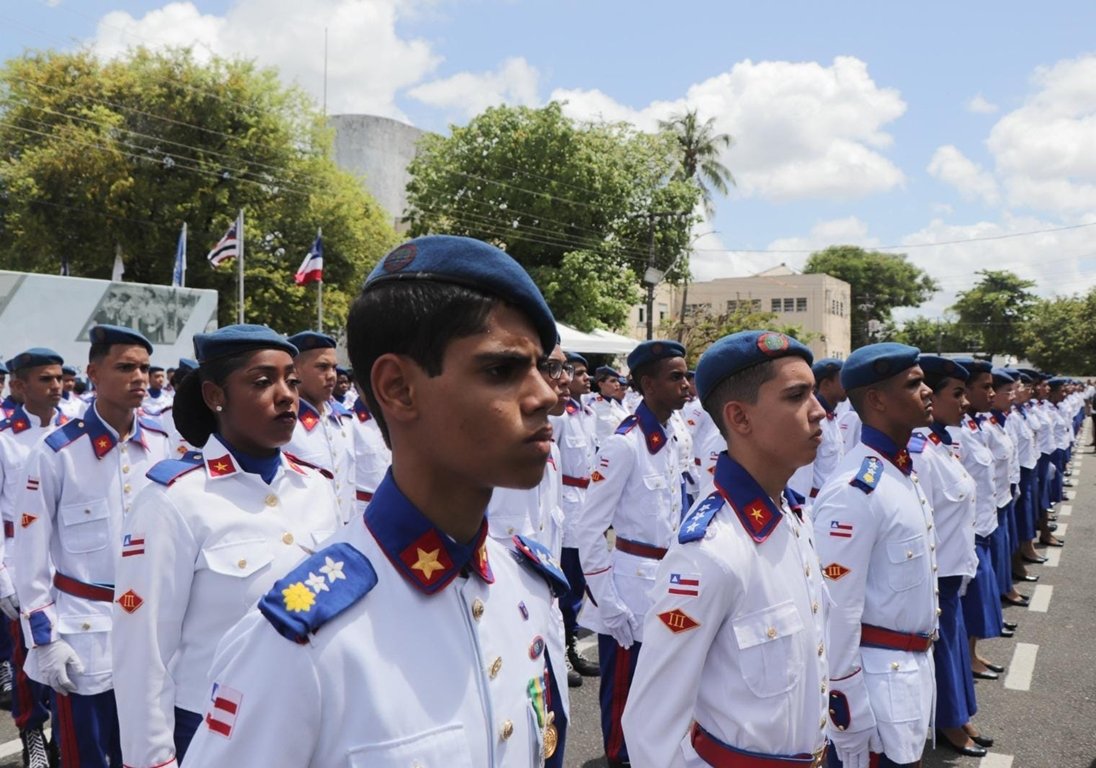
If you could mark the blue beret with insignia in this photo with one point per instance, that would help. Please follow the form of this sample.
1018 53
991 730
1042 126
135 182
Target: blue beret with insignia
826 367
877 362
235 339
575 357
1001 377
975 366
186 365
116 334
652 351
938 368
735 353
68 370
34 357
1057 381
605 372
308 340
155 369
472 264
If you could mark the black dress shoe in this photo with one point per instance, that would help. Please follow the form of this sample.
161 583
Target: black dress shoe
982 741
1024 577
1056 543
1034 560
1052 527
1023 602
994 667
964 750
1011 626
1006 633
984 676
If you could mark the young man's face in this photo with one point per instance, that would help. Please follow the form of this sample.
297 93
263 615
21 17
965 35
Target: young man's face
487 411
832 390
667 388
980 392
1003 396
68 382
561 386
156 380
786 418
121 377
39 388
908 399
316 370
949 403
580 382
342 385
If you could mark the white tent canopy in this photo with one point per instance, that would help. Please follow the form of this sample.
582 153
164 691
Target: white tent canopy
595 343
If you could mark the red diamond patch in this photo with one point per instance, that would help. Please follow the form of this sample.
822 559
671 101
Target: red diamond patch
130 601
678 621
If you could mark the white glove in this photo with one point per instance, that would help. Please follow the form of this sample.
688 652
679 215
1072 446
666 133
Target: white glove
854 749
620 622
53 663
9 605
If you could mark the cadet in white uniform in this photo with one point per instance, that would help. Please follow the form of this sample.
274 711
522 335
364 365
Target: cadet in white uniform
372 457
324 435
1020 426
70 405
809 479
874 533
158 398
607 404
635 488
414 637
733 667
167 415
210 535
80 485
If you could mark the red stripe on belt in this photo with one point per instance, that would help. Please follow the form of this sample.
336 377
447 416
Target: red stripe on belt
649 551
576 482
719 755
364 495
9 529
879 637
81 589
814 493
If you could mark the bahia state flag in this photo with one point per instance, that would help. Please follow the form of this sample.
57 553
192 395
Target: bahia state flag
228 247
311 269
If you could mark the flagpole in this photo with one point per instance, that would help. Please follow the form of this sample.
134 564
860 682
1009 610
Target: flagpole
182 273
240 267
319 293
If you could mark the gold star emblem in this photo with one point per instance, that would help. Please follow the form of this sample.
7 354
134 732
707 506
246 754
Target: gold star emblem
103 442
757 513
220 466
427 563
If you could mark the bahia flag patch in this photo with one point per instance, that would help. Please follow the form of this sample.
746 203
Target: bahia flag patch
685 584
133 544
840 530
223 709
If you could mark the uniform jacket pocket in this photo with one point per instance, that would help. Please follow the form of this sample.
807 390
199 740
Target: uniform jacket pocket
771 659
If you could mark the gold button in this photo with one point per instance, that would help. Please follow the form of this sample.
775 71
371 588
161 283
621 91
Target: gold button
507 730
814 607
932 547
938 611
127 488
477 609
496 665
242 564
894 665
509 531
271 500
821 648
87 511
126 469
935 567
771 632
822 724
806 570
85 626
930 526
909 554
287 538
823 686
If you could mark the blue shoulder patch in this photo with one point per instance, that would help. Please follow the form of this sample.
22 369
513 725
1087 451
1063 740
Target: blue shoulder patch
341 410
64 435
695 525
627 425
168 471
539 558
316 591
153 425
868 476
916 443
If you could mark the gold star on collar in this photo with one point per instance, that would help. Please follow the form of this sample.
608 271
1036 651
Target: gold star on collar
427 563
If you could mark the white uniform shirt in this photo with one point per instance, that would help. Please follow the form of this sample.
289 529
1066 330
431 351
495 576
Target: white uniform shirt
179 443
533 512
72 406
1003 449
80 484
203 542
1043 423
849 424
371 456
608 413
574 433
950 490
635 488
1019 426
154 404
441 663
735 638
977 459
809 479
878 552
326 439
1063 424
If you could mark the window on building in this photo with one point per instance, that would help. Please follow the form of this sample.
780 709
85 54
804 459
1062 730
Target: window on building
789 305
744 305
775 305
801 304
695 309
642 315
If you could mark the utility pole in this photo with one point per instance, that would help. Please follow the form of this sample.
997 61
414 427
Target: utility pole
653 276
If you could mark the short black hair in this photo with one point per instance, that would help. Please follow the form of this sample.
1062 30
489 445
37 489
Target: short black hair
99 350
193 418
414 318
742 387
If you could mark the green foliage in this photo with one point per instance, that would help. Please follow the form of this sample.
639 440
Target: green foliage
936 336
994 310
700 329
1058 334
880 282
570 202
699 148
99 154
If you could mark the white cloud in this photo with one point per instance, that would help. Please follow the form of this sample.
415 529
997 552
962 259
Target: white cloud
801 129
514 82
953 167
368 62
980 105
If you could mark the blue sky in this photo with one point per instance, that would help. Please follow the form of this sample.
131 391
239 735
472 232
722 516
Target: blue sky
870 123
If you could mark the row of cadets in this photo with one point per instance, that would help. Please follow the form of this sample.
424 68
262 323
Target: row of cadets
1020 426
733 669
344 393
446 337
210 535
1058 406
951 491
875 540
71 405
79 487
372 456
36 387
607 403
636 489
158 396
809 479
324 435
166 417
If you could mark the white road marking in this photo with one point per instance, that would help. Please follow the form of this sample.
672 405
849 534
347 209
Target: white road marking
1061 532
995 760
1022 667
1053 555
587 644
15 746
1066 510
1040 598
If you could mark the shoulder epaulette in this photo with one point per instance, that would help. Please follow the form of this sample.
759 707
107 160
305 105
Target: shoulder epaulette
167 471
64 435
341 410
868 476
795 499
316 591
153 425
298 460
916 443
695 525
538 557
627 425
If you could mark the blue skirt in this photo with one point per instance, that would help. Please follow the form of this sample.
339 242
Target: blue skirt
1026 516
955 701
1000 550
982 602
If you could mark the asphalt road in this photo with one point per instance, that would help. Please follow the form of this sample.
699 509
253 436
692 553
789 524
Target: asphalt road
1048 721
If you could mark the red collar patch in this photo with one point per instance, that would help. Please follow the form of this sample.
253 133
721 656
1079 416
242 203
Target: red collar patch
221 467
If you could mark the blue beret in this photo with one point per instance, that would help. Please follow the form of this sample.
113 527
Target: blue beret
155 368
739 351
942 367
472 264
340 371
234 339
3 368
308 340
1021 375
650 351
116 334
186 365
826 367
575 357
34 357
975 366
68 370
876 362
1001 376
605 372
1057 381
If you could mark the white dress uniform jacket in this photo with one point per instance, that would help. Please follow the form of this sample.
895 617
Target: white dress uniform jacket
977 459
608 413
874 534
179 443
80 484
153 405
635 488
533 512
372 457
203 542
950 490
1003 449
735 640
327 440
574 433
72 406
808 480
1043 425
405 648
1019 427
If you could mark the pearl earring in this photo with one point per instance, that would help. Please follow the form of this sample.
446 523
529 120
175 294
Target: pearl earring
218 409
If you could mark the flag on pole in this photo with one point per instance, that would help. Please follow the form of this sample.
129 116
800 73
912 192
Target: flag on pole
228 247
119 266
178 275
311 269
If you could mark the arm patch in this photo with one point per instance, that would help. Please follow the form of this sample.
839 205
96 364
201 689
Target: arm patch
537 557
868 476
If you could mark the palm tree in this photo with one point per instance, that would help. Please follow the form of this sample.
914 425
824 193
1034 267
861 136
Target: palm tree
700 146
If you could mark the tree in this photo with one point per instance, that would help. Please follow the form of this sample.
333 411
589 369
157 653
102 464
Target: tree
880 283
1058 334
995 309
699 148
937 336
100 155
573 203
700 329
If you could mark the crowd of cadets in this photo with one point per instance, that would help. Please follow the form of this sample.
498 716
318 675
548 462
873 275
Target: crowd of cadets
785 561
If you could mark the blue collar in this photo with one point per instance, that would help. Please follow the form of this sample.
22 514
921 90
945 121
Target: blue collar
154 393
757 512
423 554
265 467
822 401
361 410
102 435
941 431
21 421
999 415
652 429
873 438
